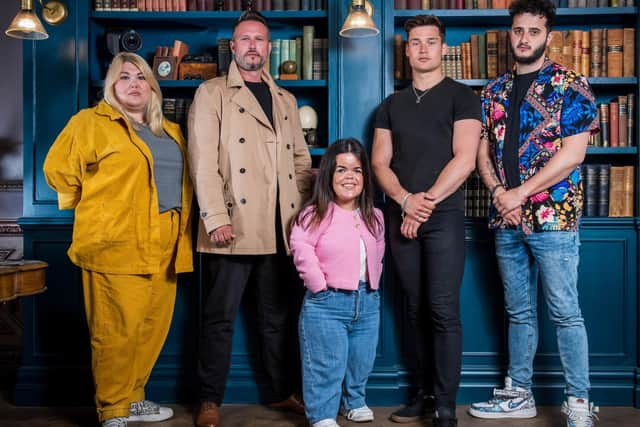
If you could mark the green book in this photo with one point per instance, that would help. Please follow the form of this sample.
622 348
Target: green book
307 52
274 58
298 57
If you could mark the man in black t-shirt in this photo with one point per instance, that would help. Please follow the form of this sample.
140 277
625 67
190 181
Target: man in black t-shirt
425 143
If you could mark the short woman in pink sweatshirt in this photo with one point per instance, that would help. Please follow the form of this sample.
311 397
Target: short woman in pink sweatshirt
337 242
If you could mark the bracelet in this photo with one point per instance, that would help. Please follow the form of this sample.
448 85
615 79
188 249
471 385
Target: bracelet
403 203
495 187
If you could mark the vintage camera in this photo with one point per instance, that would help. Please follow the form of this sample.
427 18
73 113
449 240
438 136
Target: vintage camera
123 40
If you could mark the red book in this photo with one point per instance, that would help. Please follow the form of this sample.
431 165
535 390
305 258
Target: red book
614 122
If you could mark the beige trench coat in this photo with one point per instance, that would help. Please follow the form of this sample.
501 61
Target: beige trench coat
238 161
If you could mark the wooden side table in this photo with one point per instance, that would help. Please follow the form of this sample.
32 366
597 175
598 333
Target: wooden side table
21 278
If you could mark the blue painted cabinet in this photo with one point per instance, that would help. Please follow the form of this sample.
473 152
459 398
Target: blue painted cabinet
64 74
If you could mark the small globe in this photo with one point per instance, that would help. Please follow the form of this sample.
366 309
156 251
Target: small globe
289 67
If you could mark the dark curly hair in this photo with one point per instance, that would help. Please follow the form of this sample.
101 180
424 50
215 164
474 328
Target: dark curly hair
424 20
535 7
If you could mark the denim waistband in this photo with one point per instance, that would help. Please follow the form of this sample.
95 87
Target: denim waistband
362 285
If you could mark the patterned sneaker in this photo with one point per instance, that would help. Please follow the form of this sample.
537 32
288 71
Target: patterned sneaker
358 415
507 402
148 411
579 412
420 407
115 422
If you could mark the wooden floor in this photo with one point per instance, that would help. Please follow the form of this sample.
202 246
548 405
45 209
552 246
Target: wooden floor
259 416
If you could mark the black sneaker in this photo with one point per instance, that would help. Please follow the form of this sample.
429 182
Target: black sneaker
445 417
420 407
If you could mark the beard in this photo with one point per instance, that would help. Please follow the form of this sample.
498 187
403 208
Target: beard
526 60
250 66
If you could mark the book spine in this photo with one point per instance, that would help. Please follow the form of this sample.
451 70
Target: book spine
590 189
628 52
596 52
398 53
603 190
631 111
622 121
614 52
628 190
616 191
275 58
614 120
604 124
308 33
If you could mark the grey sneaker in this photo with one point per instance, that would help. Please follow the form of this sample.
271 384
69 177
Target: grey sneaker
115 422
579 412
358 415
507 402
148 411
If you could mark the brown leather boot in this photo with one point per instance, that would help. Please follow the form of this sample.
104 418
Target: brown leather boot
208 415
292 403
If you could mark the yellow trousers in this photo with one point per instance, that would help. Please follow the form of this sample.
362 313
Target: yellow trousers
129 318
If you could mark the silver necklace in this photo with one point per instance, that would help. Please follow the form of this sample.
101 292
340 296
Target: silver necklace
419 97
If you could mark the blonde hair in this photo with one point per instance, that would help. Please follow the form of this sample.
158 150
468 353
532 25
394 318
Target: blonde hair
153 111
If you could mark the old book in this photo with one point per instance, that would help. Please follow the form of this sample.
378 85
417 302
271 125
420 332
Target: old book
554 50
631 111
475 70
400 4
413 4
292 4
277 4
596 52
298 46
503 51
398 53
316 60
576 51
492 54
629 190
458 62
614 52
616 191
224 56
482 55
622 121
98 5
603 190
425 4
567 49
274 59
604 124
614 120
585 67
605 69
628 52
590 187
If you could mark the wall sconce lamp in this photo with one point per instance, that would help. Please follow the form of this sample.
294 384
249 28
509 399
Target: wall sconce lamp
26 24
359 22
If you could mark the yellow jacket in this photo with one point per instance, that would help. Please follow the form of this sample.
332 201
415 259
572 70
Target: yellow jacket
99 166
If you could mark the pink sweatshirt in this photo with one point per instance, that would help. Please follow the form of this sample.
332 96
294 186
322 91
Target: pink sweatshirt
329 254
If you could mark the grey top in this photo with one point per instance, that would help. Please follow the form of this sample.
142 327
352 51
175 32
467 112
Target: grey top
167 167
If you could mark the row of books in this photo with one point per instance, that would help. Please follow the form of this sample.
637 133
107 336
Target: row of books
599 52
309 53
177 110
206 5
608 190
476 197
617 122
500 4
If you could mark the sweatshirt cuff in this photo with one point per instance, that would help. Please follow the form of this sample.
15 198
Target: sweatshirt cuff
68 200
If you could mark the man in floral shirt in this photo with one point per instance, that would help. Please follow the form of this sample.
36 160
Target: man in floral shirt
536 124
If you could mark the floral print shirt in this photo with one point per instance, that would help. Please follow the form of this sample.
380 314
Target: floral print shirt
558 104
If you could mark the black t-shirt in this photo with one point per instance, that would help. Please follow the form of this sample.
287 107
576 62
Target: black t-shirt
510 157
261 91
422 133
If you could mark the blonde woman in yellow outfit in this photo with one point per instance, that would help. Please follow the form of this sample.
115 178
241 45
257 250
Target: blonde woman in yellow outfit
123 168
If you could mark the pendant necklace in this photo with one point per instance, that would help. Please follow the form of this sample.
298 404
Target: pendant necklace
419 97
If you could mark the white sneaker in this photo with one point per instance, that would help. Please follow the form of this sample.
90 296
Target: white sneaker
507 402
358 415
115 422
327 422
579 412
148 411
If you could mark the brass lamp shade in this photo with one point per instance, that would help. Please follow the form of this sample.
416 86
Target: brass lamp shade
26 25
359 22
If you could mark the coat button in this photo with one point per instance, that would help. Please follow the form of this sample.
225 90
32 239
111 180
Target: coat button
288 146
292 206
203 214
242 170
241 110
286 117
243 201
229 204
290 176
280 93
241 140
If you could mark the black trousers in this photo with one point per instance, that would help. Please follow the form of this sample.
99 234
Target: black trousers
429 270
272 281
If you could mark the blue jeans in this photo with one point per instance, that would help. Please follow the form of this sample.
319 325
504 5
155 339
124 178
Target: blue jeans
552 258
338 339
